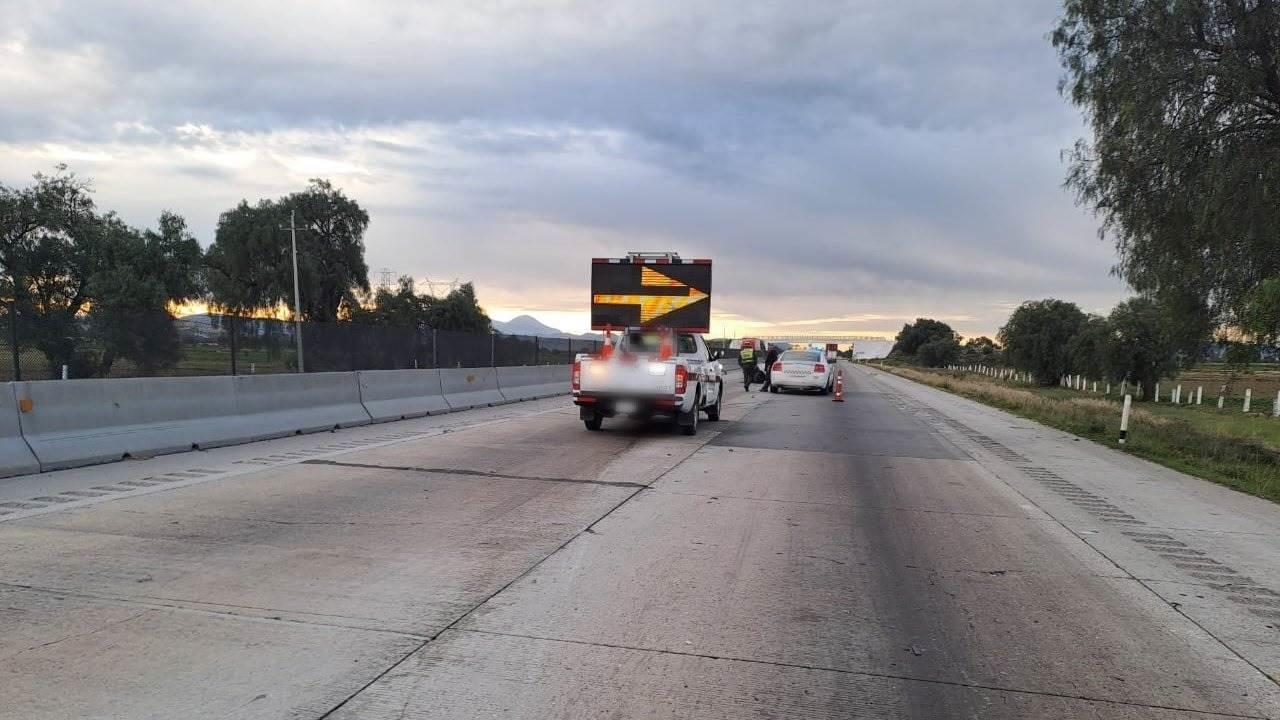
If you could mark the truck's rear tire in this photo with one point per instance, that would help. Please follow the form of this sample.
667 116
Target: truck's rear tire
691 429
594 423
713 412
688 422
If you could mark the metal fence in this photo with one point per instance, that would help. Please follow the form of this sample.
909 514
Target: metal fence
143 345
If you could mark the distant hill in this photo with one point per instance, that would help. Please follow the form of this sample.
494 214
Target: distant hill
529 325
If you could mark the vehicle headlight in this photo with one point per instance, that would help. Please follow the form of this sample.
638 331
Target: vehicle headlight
657 368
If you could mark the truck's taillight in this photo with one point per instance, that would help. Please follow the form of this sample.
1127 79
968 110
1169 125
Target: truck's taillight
577 375
819 368
777 367
682 379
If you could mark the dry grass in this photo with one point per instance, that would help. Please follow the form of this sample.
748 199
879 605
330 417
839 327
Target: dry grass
1182 442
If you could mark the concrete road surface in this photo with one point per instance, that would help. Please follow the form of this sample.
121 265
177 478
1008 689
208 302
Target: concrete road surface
905 554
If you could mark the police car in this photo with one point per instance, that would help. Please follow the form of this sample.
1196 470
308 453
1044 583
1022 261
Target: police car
803 370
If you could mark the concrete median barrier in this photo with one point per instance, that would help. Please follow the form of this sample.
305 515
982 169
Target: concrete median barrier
278 405
71 423
83 422
466 388
401 394
16 457
533 382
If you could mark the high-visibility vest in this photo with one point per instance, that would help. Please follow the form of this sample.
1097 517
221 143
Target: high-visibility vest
747 356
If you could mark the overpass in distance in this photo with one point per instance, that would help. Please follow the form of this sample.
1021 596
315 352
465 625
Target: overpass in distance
905 554
865 346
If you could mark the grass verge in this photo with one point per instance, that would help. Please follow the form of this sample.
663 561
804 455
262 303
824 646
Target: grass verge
1199 444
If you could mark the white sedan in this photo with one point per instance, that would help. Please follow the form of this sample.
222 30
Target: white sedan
803 370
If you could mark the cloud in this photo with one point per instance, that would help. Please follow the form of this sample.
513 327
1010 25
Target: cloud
864 159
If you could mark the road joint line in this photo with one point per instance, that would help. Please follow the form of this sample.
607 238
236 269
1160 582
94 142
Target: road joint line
860 673
703 441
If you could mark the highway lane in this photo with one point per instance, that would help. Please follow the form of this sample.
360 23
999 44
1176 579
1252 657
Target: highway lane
883 558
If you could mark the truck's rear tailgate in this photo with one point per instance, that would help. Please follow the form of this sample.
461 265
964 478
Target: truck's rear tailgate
638 378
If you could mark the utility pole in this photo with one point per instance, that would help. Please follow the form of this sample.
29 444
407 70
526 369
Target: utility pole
297 296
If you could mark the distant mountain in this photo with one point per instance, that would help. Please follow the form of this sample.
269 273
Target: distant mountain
529 325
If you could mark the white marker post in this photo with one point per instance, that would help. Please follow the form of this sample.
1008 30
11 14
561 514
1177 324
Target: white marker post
1275 409
64 372
1108 389
1222 399
1124 419
1200 395
1248 398
1157 392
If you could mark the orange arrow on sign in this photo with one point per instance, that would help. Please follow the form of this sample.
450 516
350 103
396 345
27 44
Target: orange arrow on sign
653 307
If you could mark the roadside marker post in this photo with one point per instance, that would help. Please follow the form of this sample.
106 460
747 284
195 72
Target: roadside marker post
1124 419
839 396
1248 398
1275 409
1221 400
1199 394
1157 392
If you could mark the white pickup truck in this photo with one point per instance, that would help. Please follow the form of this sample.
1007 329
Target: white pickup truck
634 380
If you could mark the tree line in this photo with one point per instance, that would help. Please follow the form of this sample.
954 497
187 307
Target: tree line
1182 100
1139 341
1183 103
86 289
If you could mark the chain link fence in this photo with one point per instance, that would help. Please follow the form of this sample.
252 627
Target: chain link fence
101 344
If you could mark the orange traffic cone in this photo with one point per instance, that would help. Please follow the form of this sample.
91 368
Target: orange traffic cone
839 396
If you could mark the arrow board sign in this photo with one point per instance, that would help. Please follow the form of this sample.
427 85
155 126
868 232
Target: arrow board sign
674 294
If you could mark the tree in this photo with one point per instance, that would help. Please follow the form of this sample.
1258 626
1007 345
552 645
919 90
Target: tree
244 265
250 265
459 311
1183 99
914 335
61 261
939 352
980 351
1088 348
134 279
331 266
45 232
402 306
1036 335
1261 316
1143 348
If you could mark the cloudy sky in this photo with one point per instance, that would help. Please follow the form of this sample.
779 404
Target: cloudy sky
848 164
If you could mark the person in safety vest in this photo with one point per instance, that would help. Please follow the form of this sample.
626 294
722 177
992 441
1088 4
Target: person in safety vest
747 361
